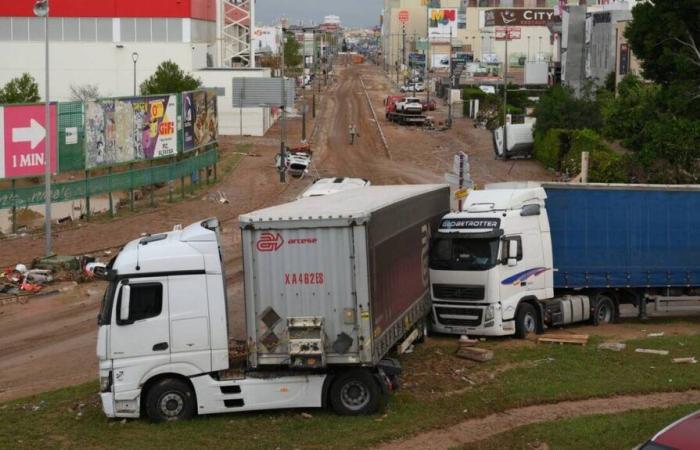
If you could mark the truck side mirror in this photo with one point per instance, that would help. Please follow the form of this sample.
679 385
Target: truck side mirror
512 252
124 304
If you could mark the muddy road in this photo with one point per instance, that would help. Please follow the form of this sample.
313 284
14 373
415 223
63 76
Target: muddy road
49 342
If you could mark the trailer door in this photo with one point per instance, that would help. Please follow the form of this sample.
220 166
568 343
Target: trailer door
303 272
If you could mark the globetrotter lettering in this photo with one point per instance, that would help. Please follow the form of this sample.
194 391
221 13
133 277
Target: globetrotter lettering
309 278
474 224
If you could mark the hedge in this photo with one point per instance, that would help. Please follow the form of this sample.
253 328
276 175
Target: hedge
561 150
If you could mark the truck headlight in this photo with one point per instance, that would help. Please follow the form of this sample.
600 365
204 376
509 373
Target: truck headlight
106 383
489 313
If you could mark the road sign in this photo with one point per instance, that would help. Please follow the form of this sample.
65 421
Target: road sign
510 33
456 163
461 194
23 138
403 16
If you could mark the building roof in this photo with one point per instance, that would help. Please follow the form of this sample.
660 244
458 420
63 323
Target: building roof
194 9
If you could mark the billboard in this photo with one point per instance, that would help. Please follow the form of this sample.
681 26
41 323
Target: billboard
23 140
254 92
537 17
441 60
199 119
443 21
130 129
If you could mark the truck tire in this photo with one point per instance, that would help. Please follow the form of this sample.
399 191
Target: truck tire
170 399
424 329
525 320
355 393
604 311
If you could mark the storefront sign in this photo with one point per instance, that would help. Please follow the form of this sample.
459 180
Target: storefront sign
519 17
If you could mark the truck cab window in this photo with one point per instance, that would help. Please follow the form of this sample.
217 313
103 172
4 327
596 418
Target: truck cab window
463 253
146 301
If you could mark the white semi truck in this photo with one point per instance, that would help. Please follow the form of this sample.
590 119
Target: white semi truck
332 284
520 257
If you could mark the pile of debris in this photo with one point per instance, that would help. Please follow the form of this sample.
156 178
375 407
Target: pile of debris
21 280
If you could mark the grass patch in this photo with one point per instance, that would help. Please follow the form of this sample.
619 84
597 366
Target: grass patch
601 432
440 390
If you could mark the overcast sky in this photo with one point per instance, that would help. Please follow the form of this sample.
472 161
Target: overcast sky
353 13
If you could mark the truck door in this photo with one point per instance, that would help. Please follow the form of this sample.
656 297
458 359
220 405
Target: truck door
140 341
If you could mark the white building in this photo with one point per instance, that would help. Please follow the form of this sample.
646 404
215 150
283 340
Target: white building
96 42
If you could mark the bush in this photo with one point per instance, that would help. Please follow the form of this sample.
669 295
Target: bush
561 150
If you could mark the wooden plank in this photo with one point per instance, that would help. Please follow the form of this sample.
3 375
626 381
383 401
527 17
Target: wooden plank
409 340
651 351
475 354
563 340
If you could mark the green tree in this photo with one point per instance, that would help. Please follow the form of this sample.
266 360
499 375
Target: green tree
22 89
559 107
627 115
169 78
292 52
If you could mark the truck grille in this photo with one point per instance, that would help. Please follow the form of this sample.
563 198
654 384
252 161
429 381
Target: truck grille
466 317
458 292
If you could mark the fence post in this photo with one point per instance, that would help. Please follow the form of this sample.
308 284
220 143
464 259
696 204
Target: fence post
153 185
109 184
87 194
182 180
14 206
131 187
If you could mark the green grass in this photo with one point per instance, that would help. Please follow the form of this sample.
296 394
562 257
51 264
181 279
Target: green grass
600 432
535 374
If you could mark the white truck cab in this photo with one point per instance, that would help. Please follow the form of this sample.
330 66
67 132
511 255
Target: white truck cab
163 340
489 259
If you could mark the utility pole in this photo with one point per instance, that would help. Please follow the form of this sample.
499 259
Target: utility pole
283 117
427 58
403 45
505 97
449 94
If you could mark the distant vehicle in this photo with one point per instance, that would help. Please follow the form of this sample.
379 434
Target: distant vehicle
297 161
520 140
327 186
417 87
445 61
429 105
404 110
680 435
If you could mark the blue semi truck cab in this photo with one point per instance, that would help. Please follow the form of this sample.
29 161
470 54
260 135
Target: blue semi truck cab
520 257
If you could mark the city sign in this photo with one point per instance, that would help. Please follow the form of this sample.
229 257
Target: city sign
519 17
22 143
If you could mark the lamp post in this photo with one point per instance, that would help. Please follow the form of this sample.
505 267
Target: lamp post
135 58
41 9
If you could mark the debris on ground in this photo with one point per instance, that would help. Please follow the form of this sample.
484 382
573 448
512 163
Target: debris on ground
475 353
655 334
306 415
652 351
578 339
57 263
688 360
466 342
614 346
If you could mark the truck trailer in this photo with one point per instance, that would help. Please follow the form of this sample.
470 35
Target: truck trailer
520 257
331 285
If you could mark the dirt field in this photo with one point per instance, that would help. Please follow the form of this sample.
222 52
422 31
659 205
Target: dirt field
56 334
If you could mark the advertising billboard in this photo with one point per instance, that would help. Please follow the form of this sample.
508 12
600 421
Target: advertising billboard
199 119
443 21
130 129
441 60
23 140
537 17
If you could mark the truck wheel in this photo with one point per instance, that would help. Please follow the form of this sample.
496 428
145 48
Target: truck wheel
424 330
355 393
525 320
170 399
604 311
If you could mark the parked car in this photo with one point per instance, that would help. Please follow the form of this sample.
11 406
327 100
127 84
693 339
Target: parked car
418 87
429 105
680 435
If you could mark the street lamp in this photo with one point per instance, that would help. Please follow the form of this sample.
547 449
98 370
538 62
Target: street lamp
41 9
135 58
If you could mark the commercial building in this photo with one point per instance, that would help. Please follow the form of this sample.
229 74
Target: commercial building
111 44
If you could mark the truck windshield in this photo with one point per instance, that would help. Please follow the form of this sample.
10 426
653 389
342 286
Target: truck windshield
105 315
463 254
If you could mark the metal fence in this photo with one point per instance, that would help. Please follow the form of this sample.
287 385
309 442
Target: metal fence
21 197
